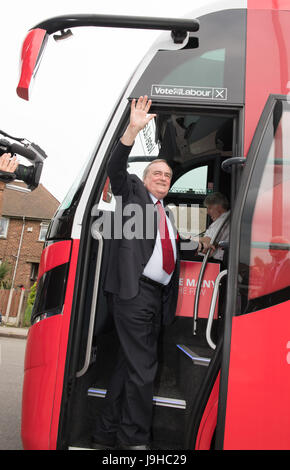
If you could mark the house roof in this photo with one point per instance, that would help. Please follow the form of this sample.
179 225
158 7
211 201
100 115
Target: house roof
38 204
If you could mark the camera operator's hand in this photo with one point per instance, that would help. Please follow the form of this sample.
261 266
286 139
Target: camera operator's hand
7 163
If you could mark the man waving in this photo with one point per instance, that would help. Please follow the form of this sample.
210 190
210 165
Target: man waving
142 282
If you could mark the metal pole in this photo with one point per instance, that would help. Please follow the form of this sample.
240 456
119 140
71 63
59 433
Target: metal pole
2 187
14 274
20 306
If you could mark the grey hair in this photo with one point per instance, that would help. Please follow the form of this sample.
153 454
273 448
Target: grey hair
216 198
158 160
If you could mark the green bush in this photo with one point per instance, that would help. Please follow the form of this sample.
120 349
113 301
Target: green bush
27 316
29 305
32 294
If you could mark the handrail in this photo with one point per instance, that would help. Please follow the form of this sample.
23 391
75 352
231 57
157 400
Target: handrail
212 307
197 291
200 277
178 26
85 367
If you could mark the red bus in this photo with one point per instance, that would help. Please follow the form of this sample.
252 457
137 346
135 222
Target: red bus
219 85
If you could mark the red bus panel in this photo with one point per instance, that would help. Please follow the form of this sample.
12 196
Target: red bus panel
258 408
41 361
54 255
45 359
266 60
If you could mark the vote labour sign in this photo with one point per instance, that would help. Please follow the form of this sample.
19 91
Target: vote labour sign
189 272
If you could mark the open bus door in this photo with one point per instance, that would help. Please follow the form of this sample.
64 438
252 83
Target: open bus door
254 402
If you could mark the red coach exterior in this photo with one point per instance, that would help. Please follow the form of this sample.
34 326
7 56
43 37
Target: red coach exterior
256 344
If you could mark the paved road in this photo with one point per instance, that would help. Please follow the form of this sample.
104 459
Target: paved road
11 377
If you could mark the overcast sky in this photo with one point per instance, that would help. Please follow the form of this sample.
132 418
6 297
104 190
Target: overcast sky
79 79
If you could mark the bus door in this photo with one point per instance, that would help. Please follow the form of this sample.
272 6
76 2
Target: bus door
254 405
185 358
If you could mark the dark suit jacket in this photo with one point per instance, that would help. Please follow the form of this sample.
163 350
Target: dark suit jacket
128 257
276 277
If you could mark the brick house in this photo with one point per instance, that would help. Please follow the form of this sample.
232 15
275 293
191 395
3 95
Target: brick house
23 225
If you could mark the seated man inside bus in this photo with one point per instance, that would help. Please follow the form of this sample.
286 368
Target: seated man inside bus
218 209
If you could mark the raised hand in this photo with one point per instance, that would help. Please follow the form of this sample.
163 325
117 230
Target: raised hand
139 118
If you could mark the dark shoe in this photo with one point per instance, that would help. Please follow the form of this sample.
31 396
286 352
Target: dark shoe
136 447
101 445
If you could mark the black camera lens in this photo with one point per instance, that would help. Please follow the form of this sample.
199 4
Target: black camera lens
26 174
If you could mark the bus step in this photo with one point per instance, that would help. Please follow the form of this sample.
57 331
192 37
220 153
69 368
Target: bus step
157 400
79 448
196 359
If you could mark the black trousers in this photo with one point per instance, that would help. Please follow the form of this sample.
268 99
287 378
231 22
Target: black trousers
127 413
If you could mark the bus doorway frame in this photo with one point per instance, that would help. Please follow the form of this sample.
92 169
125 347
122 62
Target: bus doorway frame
74 338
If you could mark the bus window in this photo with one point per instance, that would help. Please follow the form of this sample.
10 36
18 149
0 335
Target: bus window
194 181
200 69
268 264
203 70
191 220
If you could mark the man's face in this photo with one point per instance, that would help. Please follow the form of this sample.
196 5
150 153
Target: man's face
157 180
278 255
214 211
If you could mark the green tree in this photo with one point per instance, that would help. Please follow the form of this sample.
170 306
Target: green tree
32 294
4 270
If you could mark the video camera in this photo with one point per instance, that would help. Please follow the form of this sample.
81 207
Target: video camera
29 174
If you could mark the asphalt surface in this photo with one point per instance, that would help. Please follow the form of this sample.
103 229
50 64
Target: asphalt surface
12 352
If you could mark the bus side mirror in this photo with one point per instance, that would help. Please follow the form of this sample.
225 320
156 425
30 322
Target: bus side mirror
31 54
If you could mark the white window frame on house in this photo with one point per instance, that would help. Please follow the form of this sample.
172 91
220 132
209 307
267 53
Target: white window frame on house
4 230
42 231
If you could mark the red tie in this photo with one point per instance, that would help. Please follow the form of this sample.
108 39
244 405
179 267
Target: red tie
167 250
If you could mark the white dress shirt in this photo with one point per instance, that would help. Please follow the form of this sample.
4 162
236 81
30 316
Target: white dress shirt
153 268
224 234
